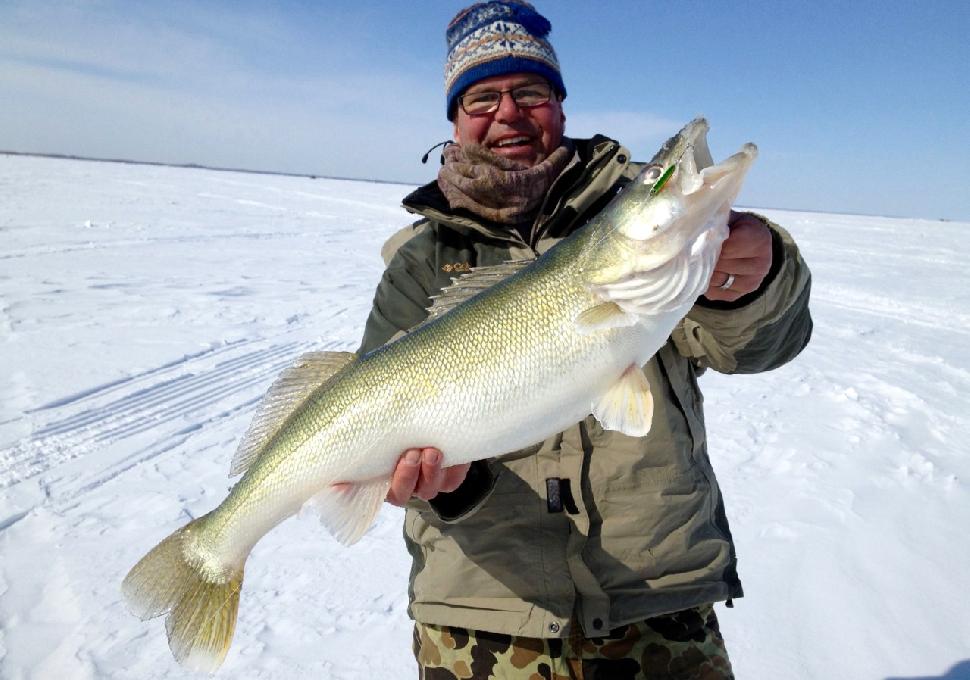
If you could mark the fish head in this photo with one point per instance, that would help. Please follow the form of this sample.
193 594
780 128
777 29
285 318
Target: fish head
671 217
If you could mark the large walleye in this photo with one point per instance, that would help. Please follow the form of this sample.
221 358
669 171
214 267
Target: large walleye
510 356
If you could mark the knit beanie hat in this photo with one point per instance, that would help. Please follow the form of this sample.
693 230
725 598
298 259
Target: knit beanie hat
496 38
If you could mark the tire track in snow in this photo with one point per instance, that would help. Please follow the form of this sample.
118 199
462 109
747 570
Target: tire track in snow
122 382
157 399
174 400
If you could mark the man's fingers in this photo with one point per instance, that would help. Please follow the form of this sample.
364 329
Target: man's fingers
419 473
743 266
405 477
749 237
746 249
738 280
742 285
744 261
431 476
744 282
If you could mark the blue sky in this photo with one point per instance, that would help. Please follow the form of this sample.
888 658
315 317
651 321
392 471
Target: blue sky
857 106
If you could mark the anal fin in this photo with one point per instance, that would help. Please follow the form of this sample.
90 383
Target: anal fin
348 509
627 406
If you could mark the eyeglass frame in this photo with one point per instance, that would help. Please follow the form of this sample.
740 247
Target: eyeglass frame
509 91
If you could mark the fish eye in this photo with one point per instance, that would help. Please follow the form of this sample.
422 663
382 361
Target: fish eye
652 174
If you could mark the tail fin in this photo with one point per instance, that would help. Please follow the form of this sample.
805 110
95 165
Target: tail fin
201 602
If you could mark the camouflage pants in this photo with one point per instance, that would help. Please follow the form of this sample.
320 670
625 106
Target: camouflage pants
686 645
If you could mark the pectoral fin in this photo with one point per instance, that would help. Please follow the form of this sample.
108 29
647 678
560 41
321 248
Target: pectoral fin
603 317
348 510
628 405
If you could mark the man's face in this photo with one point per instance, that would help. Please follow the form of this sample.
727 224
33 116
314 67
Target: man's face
534 132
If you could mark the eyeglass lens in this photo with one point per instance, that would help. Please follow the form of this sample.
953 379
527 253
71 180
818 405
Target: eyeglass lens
487 101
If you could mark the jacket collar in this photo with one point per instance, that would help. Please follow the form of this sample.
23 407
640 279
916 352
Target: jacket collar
581 183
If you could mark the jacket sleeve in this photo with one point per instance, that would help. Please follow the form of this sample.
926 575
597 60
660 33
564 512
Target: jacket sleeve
759 331
400 303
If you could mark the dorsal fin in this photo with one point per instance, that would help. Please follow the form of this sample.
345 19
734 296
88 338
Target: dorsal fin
474 282
283 397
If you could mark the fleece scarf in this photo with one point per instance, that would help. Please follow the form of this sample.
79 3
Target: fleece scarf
498 188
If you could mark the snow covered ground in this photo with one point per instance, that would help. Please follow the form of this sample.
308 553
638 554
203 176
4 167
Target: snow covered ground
144 310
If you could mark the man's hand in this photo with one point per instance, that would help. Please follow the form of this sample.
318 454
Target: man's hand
745 259
419 473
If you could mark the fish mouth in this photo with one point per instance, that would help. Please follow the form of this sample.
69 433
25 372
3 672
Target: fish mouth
695 168
689 146
668 231
681 184
706 190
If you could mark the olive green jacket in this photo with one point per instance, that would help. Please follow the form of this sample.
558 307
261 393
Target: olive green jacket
592 523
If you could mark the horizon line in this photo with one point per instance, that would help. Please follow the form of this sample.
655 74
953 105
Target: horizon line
283 173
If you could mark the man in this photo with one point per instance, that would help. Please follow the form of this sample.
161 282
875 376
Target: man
592 554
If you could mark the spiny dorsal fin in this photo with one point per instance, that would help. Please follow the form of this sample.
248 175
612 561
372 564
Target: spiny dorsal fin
471 284
283 397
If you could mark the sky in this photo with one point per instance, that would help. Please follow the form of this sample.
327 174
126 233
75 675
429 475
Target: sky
859 107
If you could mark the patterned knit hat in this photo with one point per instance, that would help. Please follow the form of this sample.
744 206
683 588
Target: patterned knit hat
496 38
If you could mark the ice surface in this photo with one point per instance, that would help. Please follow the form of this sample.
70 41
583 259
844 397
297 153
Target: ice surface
144 310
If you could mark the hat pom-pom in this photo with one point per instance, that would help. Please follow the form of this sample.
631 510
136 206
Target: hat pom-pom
532 21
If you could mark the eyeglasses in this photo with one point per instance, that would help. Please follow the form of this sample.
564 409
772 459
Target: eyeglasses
487 101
